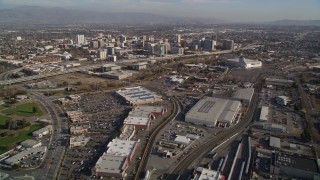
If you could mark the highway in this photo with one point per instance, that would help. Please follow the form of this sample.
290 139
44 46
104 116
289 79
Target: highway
179 171
52 161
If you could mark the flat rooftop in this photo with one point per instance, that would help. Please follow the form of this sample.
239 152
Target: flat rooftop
243 93
264 114
74 139
136 120
21 155
139 95
110 164
123 148
214 109
295 162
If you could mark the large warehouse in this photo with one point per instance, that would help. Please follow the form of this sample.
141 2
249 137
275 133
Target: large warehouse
139 95
243 63
212 112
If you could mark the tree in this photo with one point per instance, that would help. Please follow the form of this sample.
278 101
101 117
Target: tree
306 135
34 109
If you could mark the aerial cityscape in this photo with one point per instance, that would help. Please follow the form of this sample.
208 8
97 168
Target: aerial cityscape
148 89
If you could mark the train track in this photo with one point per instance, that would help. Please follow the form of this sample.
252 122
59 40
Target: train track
207 146
147 149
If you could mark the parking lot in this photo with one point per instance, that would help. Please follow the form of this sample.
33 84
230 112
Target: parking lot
105 112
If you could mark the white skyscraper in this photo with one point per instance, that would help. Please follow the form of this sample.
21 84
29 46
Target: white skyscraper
80 39
178 38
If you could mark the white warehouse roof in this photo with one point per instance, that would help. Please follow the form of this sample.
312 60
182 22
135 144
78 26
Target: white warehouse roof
139 95
264 115
122 148
243 94
210 110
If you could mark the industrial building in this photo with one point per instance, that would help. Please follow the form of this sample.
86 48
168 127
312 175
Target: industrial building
30 143
110 67
244 95
279 82
118 74
211 112
293 167
264 114
271 127
283 100
138 95
43 131
243 63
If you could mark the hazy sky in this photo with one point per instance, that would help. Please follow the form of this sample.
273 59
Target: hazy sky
232 10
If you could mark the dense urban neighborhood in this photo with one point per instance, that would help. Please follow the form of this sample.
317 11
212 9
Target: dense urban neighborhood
198 102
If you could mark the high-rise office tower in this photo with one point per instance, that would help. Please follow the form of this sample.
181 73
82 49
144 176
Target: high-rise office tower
178 38
122 38
80 39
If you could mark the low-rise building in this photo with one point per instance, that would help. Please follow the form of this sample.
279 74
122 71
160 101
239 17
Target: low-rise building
264 114
76 141
115 161
211 112
275 142
243 63
77 130
110 67
283 100
118 74
182 140
138 95
43 131
207 174
279 82
243 95
118 147
16 159
30 143
271 127
139 66
111 166
141 116
293 167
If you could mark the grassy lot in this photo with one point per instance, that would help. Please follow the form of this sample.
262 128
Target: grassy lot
3 119
27 110
9 141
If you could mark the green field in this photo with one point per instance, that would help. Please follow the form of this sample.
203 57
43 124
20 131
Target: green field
9 141
27 110
3 119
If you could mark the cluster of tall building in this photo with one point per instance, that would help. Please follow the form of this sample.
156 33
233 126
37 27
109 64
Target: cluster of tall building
108 47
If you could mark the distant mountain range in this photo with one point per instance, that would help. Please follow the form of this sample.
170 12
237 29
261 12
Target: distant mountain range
43 15
33 15
295 22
